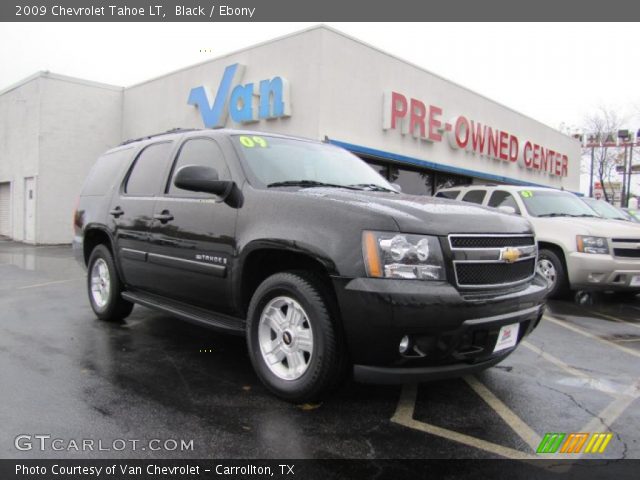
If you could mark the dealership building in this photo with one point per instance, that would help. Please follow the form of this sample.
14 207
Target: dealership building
419 130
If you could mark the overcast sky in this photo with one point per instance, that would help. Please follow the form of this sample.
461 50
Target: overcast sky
556 73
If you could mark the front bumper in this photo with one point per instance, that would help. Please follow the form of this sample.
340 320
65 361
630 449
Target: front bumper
602 272
454 332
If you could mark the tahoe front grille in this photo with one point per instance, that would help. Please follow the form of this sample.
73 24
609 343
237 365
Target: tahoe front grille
490 242
626 247
493 261
483 274
627 252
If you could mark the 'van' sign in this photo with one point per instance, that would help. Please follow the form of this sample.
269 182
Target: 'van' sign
243 103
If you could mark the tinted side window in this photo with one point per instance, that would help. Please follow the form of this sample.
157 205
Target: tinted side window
451 194
148 171
105 172
474 196
202 152
500 198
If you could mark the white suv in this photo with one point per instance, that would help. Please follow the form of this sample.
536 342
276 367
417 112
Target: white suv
577 250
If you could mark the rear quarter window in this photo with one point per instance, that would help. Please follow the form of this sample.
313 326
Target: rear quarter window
149 170
106 172
474 196
451 194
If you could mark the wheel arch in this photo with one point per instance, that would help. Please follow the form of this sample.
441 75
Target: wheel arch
261 260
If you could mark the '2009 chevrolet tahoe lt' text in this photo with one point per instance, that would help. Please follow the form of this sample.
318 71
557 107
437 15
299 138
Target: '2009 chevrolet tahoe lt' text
302 247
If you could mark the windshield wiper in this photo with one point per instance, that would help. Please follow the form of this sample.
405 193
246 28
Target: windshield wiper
373 187
307 184
567 215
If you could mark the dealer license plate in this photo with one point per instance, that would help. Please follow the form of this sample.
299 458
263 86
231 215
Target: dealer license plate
635 281
507 337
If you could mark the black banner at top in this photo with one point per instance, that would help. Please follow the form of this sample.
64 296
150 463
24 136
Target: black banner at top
315 11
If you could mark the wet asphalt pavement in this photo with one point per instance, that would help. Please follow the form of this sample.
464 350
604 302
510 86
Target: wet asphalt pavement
65 374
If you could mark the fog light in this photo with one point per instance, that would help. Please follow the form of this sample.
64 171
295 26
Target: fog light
404 344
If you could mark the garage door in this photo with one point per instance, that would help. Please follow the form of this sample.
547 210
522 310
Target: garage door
5 198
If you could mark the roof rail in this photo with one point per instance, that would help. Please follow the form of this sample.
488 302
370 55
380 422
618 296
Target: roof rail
168 132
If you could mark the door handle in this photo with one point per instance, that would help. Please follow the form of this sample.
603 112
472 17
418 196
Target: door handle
116 212
164 216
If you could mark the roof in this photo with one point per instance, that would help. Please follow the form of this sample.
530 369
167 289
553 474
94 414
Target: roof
64 78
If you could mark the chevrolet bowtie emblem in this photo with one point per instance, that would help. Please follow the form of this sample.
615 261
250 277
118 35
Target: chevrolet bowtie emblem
510 255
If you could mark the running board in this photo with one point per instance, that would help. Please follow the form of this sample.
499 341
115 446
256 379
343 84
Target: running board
195 315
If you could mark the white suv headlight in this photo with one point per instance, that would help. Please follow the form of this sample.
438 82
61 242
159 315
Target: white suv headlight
400 255
589 244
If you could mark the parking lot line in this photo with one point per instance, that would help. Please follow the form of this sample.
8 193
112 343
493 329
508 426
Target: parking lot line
523 430
556 361
583 332
616 319
54 282
404 416
605 419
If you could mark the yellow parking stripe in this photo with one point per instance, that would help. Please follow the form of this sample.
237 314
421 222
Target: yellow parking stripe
616 319
516 423
583 332
404 416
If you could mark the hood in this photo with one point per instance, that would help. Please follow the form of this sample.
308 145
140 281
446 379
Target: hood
427 215
599 227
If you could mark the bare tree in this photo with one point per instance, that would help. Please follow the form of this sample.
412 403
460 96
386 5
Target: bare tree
602 127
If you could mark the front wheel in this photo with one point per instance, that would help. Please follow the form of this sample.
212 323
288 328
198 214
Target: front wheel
550 266
104 287
294 344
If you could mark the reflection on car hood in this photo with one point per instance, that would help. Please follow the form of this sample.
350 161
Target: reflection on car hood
422 214
600 227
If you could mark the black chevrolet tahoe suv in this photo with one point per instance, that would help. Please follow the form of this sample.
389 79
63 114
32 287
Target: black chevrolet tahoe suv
323 265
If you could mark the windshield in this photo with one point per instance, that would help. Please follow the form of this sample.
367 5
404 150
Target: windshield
554 203
605 209
275 161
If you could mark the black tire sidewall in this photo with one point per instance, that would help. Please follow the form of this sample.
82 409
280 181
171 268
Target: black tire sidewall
314 380
109 310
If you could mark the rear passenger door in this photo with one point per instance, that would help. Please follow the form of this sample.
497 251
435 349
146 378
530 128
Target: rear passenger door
192 234
131 210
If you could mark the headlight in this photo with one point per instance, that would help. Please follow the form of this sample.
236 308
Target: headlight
587 244
398 255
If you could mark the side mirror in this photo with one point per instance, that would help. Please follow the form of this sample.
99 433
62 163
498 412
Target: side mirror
196 178
507 209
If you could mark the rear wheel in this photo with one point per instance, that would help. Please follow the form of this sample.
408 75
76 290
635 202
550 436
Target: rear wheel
294 344
550 266
104 287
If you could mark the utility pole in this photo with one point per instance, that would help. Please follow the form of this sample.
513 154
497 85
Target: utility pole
591 172
624 179
629 176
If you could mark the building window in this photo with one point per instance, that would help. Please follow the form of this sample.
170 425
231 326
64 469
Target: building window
415 180
447 180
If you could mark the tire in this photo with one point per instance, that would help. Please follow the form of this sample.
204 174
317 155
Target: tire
294 343
104 287
552 268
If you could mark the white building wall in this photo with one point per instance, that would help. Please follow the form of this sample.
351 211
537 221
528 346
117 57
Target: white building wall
78 122
354 79
19 134
161 104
